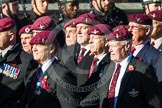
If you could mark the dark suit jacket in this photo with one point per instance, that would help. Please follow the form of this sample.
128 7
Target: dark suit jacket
160 48
12 89
139 88
149 54
83 72
59 94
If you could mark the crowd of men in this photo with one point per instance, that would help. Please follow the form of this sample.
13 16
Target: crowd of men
101 59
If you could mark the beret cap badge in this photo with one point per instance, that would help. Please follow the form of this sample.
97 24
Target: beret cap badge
27 30
41 26
95 31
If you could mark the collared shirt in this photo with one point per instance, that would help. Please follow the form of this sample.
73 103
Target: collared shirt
87 49
138 49
157 42
100 58
123 68
47 64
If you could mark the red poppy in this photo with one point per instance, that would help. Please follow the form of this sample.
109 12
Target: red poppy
44 83
131 68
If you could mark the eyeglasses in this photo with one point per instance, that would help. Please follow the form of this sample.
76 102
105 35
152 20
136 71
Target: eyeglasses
135 27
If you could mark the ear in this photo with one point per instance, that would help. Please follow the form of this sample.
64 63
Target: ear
12 35
127 46
32 3
4 5
63 7
148 30
52 49
93 2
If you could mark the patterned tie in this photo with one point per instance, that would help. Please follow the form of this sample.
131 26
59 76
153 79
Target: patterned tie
80 57
152 43
111 93
93 64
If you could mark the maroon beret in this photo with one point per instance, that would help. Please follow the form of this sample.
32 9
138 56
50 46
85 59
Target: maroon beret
70 23
87 18
120 27
6 23
26 29
156 15
43 23
140 19
43 38
119 35
100 29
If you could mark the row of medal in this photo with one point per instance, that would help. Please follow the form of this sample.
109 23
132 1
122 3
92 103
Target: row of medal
10 71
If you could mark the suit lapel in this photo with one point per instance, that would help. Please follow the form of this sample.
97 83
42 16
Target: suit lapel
126 77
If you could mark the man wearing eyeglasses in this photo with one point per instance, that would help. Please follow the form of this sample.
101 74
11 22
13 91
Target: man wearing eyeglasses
140 26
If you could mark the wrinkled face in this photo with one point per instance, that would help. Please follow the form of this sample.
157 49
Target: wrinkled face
117 51
82 33
71 9
102 4
157 29
14 7
25 39
139 33
40 6
97 44
41 53
152 7
5 39
70 37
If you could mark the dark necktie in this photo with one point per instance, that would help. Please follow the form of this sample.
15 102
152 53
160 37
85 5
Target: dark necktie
152 43
0 55
111 93
93 64
80 57
133 49
40 75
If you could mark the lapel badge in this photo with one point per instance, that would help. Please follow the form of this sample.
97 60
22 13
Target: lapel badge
16 73
133 93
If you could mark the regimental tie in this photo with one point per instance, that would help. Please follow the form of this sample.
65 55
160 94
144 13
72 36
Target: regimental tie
111 92
80 57
133 49
93 64
152 43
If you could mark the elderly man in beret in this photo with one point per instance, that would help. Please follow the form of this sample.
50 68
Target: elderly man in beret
47 87
92 67
15 65
127 82
156 36
26 35
151 5
140 26
83 23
